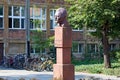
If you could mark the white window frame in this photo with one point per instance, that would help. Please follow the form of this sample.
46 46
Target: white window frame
35 51
20 17
78 49
52 17
112 46
82 47
41 18
90 47
2 16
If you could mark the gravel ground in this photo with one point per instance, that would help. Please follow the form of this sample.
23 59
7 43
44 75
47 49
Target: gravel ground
12 74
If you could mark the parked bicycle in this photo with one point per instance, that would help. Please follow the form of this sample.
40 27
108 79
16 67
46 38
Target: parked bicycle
19 61
40 64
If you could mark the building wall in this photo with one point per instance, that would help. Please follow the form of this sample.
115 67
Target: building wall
1 34
17 34
16 48
77 35
14 40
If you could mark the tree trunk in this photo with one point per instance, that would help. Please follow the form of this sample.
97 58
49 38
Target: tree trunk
106 54
105 43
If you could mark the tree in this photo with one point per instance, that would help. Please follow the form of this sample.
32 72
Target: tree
38 38
101 15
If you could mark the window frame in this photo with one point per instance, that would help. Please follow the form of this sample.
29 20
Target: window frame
112 46
89 48
52 18
2 17
35 51
79 49
20 17
40 18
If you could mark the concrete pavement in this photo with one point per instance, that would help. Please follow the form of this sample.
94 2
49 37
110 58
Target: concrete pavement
12 74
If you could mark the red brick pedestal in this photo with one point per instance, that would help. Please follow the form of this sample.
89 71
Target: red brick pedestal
63 69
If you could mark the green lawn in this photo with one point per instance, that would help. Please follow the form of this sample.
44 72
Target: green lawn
97 67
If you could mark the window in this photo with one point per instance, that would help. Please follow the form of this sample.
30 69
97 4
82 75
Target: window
44 24
80 48
16 17
1 16
92 48
36 51
52 19
16 11
1 22
112 47
37 18
16 23
77 48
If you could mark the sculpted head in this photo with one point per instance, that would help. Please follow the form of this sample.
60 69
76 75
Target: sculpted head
60 16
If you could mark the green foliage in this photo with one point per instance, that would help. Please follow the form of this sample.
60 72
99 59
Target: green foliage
40 41
89 67
101 15
93 14
115 54
87 61
94 68
37 23
115 70
50 42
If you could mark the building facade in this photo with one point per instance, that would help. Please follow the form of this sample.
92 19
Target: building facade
12 22
13 29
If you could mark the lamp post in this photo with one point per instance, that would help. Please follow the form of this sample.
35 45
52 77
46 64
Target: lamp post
27 24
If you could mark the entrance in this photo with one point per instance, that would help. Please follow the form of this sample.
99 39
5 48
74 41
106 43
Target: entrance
1 51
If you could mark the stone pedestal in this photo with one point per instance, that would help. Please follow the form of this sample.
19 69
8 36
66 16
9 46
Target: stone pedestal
63 69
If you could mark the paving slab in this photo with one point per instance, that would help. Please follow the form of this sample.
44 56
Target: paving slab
13 74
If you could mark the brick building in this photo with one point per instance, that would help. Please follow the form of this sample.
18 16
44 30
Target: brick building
13 30
12 22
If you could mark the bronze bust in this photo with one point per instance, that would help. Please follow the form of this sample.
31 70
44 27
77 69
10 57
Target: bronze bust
61 17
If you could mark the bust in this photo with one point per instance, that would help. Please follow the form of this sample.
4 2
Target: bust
61 17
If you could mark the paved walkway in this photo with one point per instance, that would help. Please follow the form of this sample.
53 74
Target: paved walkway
12 74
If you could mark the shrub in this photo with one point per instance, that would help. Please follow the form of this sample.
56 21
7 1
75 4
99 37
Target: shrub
93 68
99 68
115 54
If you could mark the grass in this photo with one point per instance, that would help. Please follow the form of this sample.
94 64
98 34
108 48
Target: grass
95 66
